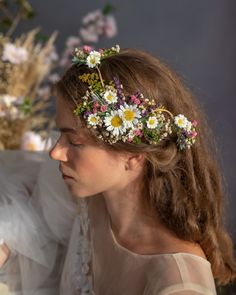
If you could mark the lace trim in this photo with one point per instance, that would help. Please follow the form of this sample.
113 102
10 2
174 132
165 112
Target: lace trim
82 276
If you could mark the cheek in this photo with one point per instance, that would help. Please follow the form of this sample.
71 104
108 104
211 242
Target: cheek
96 167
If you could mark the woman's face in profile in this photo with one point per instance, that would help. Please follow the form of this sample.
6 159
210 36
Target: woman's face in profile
87 169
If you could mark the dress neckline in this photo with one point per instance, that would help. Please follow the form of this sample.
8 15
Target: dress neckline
145 256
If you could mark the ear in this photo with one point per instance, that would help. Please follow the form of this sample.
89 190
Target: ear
135 161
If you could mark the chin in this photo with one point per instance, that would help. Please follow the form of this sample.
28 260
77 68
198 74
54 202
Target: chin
78 193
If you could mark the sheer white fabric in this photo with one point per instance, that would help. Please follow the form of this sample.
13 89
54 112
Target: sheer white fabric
36 216
116 270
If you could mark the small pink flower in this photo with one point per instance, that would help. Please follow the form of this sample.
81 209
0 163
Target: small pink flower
194 134
96 104
103 108
137 132
101 51
135 99
94 110
87 48
194 123
130 139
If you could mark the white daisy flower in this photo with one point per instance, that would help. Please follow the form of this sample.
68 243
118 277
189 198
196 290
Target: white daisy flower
130 114
93 119
114 123
152 122
110 96
181 121
93 59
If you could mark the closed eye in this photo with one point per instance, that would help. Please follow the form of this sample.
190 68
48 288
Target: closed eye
76 144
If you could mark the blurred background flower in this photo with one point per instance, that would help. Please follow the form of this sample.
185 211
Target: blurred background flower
96 25
26 77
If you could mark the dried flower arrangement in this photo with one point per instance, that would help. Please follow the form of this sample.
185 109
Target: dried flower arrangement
25 65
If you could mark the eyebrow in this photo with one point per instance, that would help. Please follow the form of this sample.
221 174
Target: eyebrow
68 130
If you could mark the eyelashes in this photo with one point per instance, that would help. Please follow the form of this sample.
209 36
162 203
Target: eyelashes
76 144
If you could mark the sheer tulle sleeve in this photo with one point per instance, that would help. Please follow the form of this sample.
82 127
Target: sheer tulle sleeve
182 274
36 217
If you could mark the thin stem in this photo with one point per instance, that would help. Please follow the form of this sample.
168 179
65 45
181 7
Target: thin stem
6 11
14 24
100 76
164 110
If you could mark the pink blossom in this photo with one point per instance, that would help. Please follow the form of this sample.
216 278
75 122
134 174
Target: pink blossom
110 27
137 132
94 110
103 108
72 41
194 123
130 139
96 104
92 16
89 34
135 99
87 48
194 134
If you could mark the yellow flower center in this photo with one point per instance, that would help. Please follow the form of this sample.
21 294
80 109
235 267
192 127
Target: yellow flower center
92 60
110 97
129 115
152 121
180 122
116 121
93 120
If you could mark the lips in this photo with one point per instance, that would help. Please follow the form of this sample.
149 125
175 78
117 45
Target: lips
64 176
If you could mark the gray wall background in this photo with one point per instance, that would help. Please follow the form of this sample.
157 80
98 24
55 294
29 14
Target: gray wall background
196 38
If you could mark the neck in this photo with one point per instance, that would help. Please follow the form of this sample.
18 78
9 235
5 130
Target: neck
126 211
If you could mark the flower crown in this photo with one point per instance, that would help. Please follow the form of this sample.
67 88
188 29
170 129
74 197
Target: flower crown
131 118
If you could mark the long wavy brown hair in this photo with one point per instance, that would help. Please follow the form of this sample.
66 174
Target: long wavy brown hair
185 188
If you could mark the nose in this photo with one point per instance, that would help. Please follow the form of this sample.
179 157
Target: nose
58 152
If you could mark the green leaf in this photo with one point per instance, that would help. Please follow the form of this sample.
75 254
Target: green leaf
108 8
137 140
26 106
75 59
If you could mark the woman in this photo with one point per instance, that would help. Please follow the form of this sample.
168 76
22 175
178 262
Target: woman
142 168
